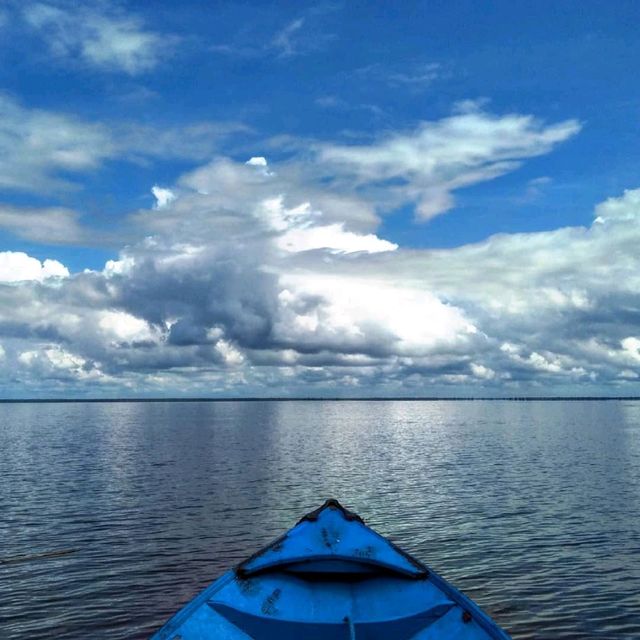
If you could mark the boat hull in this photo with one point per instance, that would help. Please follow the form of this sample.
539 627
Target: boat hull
331 577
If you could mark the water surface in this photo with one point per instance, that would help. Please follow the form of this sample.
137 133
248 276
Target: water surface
531 508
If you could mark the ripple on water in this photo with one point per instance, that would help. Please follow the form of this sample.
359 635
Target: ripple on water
532 508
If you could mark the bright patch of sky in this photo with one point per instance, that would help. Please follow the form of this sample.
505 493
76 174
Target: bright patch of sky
231 198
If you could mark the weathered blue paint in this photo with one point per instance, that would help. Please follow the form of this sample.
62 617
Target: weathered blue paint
331 578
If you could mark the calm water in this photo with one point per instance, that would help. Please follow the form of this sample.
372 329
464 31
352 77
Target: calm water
531 508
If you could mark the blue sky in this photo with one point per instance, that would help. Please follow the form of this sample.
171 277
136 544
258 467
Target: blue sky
442 158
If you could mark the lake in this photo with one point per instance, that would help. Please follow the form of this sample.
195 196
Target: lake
531 508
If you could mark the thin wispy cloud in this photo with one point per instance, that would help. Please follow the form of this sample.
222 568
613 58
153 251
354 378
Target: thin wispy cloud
99 35
285 40
411 75
48 225
37 147
332 102
427 165
416 76
535 188
302 35
42 150
420 76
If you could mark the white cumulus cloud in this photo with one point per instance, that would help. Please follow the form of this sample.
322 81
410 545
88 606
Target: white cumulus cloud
163 196
257 161
252 280
16 266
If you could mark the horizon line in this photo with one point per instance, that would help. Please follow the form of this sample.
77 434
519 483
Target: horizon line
324 399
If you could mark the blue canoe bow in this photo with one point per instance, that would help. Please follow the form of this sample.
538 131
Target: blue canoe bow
331 578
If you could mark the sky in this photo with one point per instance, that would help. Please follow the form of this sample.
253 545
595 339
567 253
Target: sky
338 199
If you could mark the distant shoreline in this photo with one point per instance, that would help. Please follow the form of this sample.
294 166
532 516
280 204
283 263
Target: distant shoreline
327 399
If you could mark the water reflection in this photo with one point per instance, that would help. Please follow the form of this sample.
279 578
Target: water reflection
532 508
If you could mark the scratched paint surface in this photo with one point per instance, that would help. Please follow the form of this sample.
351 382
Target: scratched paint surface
114 515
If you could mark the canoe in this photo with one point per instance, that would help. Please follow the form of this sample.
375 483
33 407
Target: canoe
331 578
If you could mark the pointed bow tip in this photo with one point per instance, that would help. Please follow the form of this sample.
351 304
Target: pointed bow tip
331 503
